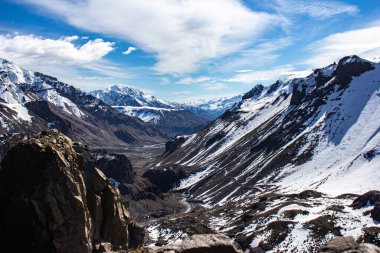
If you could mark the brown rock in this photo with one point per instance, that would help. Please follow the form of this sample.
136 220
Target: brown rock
210 243
43 204
375 213
111 217
371 197
348 245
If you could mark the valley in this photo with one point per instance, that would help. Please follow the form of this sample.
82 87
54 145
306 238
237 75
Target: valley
287 168
189 126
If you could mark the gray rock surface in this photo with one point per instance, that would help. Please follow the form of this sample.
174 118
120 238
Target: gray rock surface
348 245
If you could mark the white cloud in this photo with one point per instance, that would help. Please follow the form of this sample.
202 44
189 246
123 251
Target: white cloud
363 42
261 75
129 50
263 54
190 80
315 8
214 86
30 50
244 70
70 38
183 35
182 92
61 58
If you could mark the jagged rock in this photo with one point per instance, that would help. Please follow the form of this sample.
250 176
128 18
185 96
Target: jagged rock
375 213
348 245
116 166
350 66
210 243
113 224
255 91
104 247
46 205
371 197
43 204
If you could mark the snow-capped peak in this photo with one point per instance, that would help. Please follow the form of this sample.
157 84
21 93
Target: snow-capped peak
16 83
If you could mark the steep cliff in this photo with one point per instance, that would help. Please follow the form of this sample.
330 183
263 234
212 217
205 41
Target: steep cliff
46 206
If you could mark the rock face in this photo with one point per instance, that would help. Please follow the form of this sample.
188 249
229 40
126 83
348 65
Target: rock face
168 177
45 205
210 243
116 166
371 197
348 245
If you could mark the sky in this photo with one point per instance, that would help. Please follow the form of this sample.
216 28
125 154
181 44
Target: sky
184 50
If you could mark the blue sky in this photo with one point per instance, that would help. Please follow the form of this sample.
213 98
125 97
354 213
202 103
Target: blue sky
184 49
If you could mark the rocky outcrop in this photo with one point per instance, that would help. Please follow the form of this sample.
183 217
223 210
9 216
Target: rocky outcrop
116 166
43 204
210 243
348 67
110 218
255 91
46 206
371 197
173 144
167 177
348 245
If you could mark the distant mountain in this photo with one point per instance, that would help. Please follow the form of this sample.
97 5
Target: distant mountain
118 95
215 106
171 117
31 102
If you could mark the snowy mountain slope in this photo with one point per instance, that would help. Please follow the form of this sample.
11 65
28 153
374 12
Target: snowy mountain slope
171 117
315 131
117 95
31 102
215 106
14 79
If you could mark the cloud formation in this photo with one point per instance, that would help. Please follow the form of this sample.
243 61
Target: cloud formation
261 75
315 8
363 42
30 49
129 50
190 80
183 35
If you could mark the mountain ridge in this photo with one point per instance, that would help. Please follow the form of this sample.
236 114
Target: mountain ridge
86 118
172 117
269 130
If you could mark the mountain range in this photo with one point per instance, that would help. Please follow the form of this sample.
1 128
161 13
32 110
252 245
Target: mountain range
281 169
171 117
31 102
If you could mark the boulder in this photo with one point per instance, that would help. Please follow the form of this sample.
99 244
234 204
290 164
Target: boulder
375 213
210 243
371 197
348 245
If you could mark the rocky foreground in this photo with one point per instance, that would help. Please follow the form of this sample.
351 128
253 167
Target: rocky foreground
47 206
